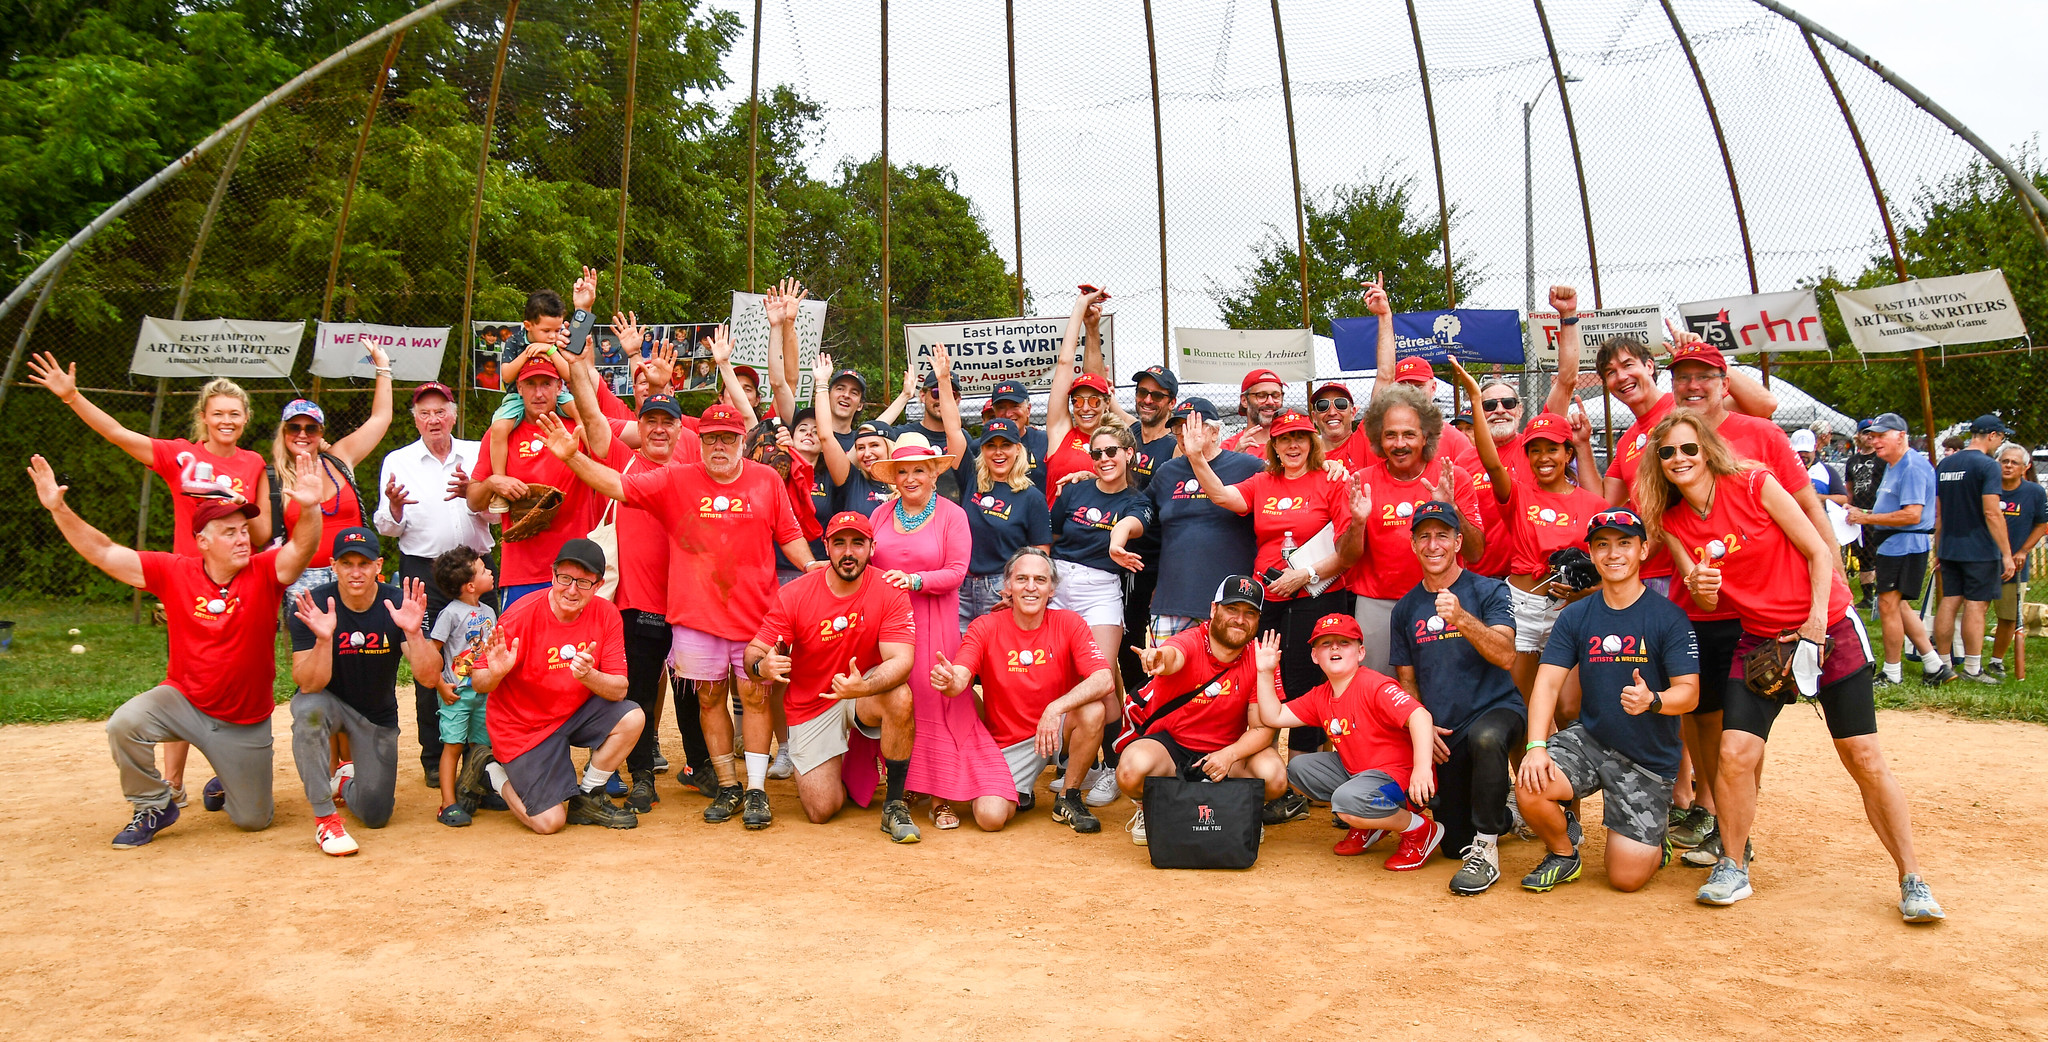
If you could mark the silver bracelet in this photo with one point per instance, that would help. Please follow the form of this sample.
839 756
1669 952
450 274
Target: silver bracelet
384 371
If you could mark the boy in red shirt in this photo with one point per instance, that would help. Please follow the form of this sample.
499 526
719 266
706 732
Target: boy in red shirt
1383 742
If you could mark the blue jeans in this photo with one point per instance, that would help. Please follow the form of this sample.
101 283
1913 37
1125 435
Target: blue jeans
978 596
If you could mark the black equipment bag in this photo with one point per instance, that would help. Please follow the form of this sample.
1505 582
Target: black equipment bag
1203 824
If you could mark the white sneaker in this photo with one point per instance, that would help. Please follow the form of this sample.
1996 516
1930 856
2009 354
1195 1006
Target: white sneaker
1102 790
343 773
333 837
1136 827
179 796
782 766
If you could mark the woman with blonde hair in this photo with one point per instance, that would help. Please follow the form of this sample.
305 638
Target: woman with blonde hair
1005 513
301 432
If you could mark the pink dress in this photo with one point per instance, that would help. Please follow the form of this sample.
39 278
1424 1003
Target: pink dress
954 757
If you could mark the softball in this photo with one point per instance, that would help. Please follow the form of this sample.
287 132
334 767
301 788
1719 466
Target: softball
74 631
78 649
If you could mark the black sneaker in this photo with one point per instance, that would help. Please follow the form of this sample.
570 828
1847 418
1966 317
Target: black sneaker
896 822
1026 801
1996 668
642 797
1939 677
1290 806
724 806
433 773
756 815
1554 871
589 807
1572 829
703 779
660 761
1070 809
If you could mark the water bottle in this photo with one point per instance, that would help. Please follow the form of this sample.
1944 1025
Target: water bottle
1287 547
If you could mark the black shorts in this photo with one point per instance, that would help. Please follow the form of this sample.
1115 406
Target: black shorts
546 776
1717 639
1972 580
1848 705
1906 573
1183 757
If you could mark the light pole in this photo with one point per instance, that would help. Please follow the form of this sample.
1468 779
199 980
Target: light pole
1529 196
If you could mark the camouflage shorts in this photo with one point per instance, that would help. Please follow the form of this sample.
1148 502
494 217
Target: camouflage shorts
1638 802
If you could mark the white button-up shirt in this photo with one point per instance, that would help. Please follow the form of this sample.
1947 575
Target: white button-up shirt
433 524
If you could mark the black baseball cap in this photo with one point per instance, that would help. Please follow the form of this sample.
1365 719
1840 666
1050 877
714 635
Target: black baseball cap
1241 589
661 403
1167 380
357 540
1434 510
1621 519
1193 407
1990 424
931 380
1000 428
849 374
873 429
1011 391
582 552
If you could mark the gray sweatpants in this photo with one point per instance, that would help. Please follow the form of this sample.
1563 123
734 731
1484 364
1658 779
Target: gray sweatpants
239 753
316 717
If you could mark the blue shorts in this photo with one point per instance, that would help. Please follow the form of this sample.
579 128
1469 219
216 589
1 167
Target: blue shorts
462 721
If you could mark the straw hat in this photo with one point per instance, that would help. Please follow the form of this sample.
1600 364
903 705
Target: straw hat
912 447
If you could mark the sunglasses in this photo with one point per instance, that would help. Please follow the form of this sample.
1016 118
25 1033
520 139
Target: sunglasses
1327 404
1691 448
570 580
1490 404
1610 518
1150 396
302 428
1102 454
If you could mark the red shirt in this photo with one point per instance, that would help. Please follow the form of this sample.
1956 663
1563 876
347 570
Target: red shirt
1221 714
1066 458
643 539
1498 560
1764 577
802 476
540 692
1389 568
1753 438
244 471
722 540
830 634
1629 451
1278 505
1545 522
1367 723
528 459
223 638
342 511
1023 671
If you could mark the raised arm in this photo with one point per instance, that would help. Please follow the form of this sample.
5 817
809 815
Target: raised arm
1057 419
1272 712
837 464
1565 301
422 654
1482 440
305 540
1385 355
901 403
119 562
1200 438
1750 396
313 668
949 410
62 381
356 447
721 353
562 442
782 365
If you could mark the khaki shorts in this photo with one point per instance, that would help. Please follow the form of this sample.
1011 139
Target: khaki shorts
816 741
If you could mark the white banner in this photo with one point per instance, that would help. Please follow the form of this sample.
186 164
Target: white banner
988 351
1759 322
1223 356
749 325
343 349
1958 309
1645 323
233 348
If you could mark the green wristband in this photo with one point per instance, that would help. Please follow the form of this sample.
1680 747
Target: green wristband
1539 744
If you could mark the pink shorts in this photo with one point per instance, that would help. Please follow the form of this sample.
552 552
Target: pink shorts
697 655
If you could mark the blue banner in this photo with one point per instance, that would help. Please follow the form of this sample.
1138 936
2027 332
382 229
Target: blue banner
1470 334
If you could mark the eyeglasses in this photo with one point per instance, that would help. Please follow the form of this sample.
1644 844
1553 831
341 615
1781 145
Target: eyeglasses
1327 404
1266 396
302 428
1101 454
1151 396
1490 404
1690 448
570 580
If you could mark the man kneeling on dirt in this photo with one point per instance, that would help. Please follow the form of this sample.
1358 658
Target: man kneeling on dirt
555 671
829 616
220 611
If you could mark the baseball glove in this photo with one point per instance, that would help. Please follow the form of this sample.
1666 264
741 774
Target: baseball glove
532 513
1573 567
1767 669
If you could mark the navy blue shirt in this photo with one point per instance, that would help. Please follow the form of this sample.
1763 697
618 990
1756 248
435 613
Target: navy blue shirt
367 650
1456 684
1962 482
1608 646
1083 518
951 483
2025 507
1004 521
862 494
1200 542
1150 457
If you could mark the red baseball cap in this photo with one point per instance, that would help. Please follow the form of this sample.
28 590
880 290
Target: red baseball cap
1292 421
1550 427
1089 382
1698 351
539 366
849 520
1257 377
747 372
1327 388
1414 369
432 387
721 417
1336 625
210 510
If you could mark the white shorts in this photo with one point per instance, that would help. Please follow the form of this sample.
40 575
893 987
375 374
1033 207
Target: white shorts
816 741
1535 614
1093 594
1025 763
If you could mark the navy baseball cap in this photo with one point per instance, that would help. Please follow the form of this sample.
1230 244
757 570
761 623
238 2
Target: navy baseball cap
1241 589
1434 510
357 540
1167 380
1990 424
1862 425
1888 421
1000 428
1621 519
661 403
871 429
849 374
1010 391
931 380
1193 407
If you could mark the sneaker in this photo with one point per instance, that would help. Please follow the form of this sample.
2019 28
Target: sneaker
1916 901
1027 800
1728 884
660 761
703 779
471 784
214 796
1996 667
1102 790
590 807
1936 679
432 773
143 827
1884 683
345 772
756 814
782 766
1554 871
493 801
1480 871
1521 828
179 796
1071 809
1416 846
1136 827
896 822
1982 677
1337 822
1358 841
724 806
454 816
500 505
1690 829
1289 807
333 837
1572 829
643 796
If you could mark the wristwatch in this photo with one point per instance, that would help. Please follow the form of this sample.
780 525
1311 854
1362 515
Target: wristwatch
1656 701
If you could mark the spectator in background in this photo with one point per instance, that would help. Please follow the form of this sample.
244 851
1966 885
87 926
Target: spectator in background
1463 423
1260 397
1863 473
1970 541
1827 482
1903 509
2026 517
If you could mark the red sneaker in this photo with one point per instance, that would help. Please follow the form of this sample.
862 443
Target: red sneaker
1416 846
1358 841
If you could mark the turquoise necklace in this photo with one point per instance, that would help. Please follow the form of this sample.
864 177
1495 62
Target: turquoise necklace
911 523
